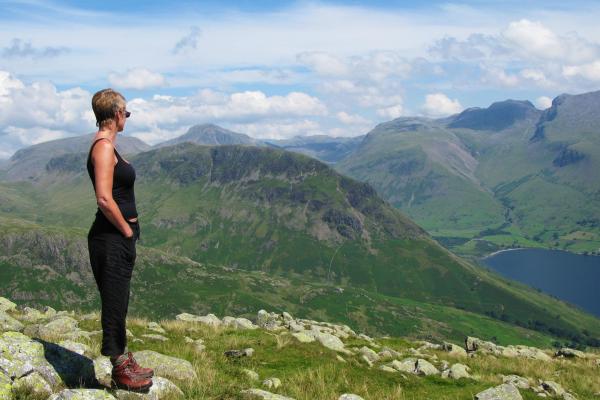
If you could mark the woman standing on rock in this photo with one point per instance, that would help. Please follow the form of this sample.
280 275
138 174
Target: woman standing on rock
112 237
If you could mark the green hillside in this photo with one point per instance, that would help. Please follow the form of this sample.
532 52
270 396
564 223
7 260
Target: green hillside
287 215
486 179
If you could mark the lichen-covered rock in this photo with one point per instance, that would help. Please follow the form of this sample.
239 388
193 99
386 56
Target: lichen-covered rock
161 387
331 342
304 336
272 383
350 396
387 368
516 380
506 391
8 323
33 383
457 371
569 353
166 366
33 315
553 388
21 355
454 349
76 347
6 304
262 394
424 367
252 375
369 354
155 336
103 370
269 321
153 326
5 387
82 394
60 327
209 319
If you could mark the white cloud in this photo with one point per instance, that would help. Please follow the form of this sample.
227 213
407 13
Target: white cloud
498 77
282 129
189 41
352 119
391 112
589 71
543 102
137 78
440 105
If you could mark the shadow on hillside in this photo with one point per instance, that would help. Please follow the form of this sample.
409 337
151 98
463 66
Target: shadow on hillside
76 370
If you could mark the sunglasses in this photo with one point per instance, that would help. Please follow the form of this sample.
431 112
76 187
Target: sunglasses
126 113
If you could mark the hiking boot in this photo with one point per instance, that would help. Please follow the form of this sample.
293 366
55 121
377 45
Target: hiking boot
125 377
137 369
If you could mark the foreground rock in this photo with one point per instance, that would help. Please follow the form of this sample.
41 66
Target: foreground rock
262 394
82 394
161 387
506 391
166 366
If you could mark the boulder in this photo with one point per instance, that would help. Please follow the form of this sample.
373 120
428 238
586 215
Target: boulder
350 396
208 319
166 366
33 383
161 388
262 394
553 388
369 354
103 370
569 353
424 367
155 336
239 353
304 336
60 327
5 386
454 349
8 323
506 391
20 356
331 342
272 383
517 381
457 371
82 394
6 304
155 327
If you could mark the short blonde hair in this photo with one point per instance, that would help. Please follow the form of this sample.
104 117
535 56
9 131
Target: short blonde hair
105 104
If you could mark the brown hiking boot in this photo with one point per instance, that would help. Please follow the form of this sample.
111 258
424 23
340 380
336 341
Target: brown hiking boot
125 377
137 369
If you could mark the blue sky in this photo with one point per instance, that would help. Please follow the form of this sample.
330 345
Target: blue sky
275 69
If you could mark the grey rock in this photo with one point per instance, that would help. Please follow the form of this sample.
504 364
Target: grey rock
272 383
262 394
61 327
506 391
458 371
166 366
6 304
252 375
553 388
103 370
5 386
350 396
454 349
82 394
160 388
304 336
33 383
570 353
369 354
424 367
155 336
209 319
153 326
331 342
76 347
8 323
239 353
516 380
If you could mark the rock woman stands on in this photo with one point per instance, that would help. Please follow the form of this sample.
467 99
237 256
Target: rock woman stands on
112 237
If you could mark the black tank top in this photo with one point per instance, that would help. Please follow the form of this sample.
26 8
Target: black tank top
122 187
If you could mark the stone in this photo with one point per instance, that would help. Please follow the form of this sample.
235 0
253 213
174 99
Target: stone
82 394
252 375
161 387
103 370
209 319
303 336
153 326
350 396
366 360
6 304
239 323
424 367
166 366
454 349
33 383
506 391
387 368
569 353
458 371
21 355
59 327
8 323
239 353
406 365
155 336
76 347
340 358
32 315
517 381
331 342
262 394
272 383
295 327
553 388
269 321
369 354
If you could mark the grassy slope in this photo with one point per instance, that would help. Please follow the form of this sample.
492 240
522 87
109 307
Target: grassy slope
222 222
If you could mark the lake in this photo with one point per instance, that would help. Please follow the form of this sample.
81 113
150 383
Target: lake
571 277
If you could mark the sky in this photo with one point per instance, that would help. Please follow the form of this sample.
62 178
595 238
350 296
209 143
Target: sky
278 69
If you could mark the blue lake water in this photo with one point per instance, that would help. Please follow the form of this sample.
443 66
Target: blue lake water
571 277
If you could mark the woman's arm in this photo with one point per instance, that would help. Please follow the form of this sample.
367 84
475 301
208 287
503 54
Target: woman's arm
103 158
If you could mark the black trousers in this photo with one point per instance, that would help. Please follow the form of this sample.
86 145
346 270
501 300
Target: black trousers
112 257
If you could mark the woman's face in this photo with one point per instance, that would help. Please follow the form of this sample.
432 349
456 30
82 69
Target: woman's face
121 116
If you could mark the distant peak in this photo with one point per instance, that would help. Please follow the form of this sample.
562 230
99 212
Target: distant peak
498 116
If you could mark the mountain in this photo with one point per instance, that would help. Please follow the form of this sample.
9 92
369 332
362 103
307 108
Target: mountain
325 148
484 179
288 216
30 163
210 134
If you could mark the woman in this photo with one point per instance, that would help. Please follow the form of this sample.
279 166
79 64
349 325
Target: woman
112 237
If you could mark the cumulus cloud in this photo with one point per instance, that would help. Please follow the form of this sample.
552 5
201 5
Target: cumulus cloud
19 48
282 129
440 105
543 102
189 41
137 78
352 119
590 71
391 112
